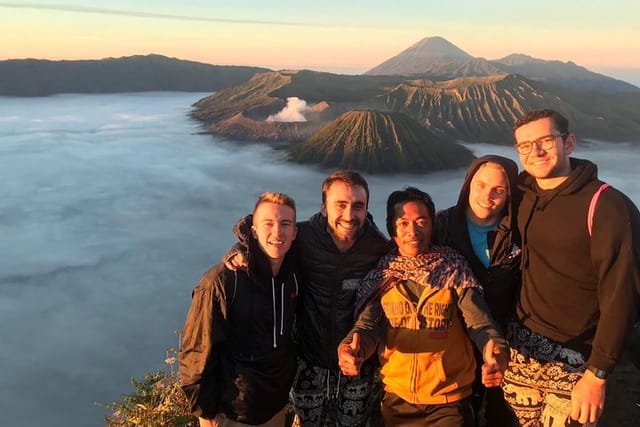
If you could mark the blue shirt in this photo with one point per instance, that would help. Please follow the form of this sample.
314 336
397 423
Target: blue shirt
479 243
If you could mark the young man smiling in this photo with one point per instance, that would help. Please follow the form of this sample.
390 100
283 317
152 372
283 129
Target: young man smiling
418 305
482 226
580 287
336 248
237 358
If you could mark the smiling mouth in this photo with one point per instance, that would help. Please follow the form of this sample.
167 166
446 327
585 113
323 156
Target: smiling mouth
539 162
348 225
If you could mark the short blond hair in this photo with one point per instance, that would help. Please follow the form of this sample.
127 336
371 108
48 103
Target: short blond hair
277 198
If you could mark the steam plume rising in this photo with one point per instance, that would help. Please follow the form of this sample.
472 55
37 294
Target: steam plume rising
292 112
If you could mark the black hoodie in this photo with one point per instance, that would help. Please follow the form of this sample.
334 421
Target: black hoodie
238 356
580 290
330 281
501 281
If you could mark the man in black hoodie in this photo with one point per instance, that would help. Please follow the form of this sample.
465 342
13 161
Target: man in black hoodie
238 357
580 279
482 226
336 248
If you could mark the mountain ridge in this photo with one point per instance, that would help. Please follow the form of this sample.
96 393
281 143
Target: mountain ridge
420 56
460 98
473 109
137 73
444 61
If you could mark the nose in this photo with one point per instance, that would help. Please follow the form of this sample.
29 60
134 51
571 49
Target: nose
347 213
411 229
537 148
276 229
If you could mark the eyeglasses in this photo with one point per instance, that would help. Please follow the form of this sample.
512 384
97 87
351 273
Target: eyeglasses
545 142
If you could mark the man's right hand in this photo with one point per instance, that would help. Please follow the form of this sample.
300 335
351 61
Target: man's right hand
204 422
587 399
495 363
236 261
350 357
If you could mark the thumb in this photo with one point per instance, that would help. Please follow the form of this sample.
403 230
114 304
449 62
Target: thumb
355 342
489 349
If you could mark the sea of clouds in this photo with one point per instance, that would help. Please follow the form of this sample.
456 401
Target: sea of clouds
111 208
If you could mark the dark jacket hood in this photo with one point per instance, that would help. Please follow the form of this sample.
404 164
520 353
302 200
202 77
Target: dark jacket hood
259 266
501 280
511 170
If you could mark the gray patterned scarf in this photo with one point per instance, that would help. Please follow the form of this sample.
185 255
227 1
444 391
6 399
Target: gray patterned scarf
439 268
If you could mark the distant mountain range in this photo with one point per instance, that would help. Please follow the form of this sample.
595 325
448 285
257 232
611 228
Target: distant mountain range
449 94
473 109
36 77
436 58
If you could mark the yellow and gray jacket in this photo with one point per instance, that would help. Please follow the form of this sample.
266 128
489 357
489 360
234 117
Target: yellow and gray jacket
422 321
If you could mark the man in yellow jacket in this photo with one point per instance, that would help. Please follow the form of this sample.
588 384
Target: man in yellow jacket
420 306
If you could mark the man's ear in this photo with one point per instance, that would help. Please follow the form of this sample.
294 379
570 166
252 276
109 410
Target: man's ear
323 210
569 143
253 232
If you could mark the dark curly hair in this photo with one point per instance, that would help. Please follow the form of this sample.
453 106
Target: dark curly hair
409 194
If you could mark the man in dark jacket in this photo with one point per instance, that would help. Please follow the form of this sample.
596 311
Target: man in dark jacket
336 248
482 226
238 357
579 293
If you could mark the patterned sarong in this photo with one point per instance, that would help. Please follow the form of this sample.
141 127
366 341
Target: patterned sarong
541 374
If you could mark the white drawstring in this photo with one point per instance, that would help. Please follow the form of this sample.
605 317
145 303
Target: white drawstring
328 382
273 298
281 308
295 279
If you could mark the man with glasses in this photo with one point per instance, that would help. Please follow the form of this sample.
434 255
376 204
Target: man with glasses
579 295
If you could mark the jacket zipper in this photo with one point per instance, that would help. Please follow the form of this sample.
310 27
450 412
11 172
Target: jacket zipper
337 285
416 332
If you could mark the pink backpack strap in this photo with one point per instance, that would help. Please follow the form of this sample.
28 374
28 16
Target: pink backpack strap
592 205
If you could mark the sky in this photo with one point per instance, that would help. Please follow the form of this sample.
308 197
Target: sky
343 36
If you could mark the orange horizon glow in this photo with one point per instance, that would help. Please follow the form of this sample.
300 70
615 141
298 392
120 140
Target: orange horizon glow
324 45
